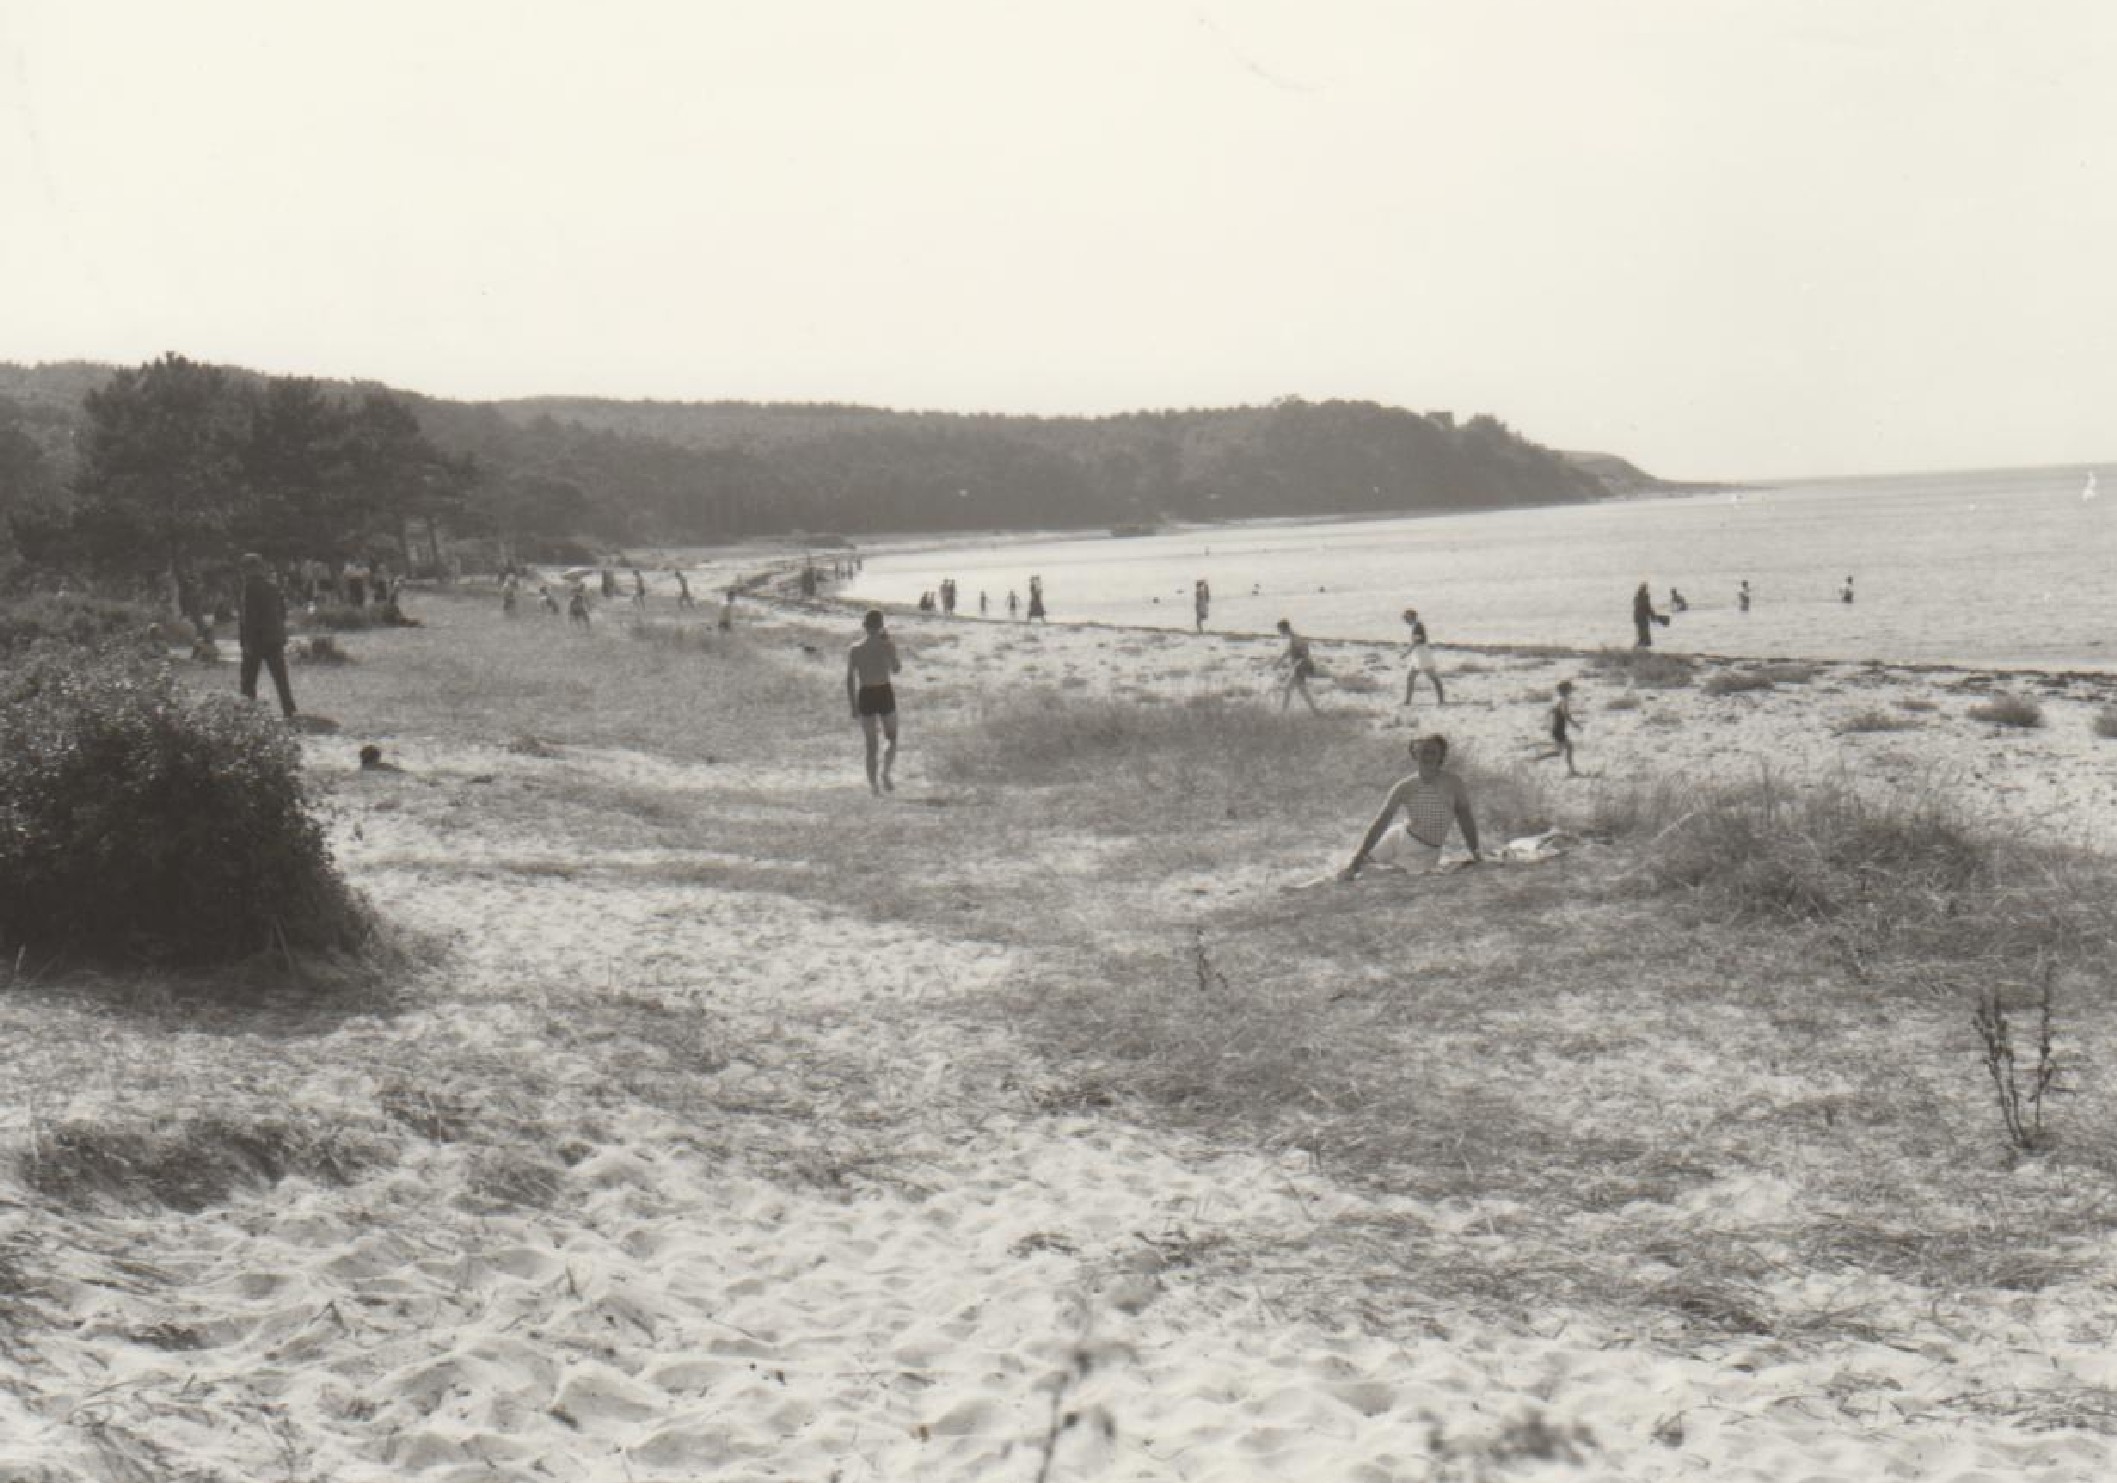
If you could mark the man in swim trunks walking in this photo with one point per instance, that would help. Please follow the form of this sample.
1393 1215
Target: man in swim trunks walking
868 666
1298 665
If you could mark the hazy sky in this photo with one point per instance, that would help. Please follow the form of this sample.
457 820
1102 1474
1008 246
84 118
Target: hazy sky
1720 238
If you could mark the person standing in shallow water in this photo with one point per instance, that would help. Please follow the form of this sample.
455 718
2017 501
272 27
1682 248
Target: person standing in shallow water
264 631
868 667
1644 617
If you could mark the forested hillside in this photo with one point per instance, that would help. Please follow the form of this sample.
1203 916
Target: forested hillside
86 452
697 471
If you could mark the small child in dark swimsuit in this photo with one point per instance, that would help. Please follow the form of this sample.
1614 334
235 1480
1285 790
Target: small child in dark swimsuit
1562 720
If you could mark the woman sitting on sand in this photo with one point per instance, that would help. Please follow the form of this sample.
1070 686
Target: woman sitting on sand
1433 799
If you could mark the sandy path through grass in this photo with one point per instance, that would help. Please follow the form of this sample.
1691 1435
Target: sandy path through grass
725 1141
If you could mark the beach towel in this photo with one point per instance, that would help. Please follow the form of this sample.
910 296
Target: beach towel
1530 849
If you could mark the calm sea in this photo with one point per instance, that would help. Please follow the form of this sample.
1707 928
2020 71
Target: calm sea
2012 568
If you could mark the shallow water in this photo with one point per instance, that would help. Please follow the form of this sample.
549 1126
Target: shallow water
2011 568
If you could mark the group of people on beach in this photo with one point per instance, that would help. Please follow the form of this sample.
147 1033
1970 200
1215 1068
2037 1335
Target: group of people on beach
577 607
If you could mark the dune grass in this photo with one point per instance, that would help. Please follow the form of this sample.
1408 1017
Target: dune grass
2016 711
1646 669
1736 682
1556 1040
683 691
1874 718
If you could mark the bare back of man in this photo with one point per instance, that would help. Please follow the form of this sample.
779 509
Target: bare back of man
869 664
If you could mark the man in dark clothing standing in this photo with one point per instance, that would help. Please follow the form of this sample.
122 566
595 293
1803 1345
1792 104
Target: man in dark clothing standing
1644 617
264 631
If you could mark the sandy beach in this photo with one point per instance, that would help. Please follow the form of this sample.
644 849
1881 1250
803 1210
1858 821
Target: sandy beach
696 1151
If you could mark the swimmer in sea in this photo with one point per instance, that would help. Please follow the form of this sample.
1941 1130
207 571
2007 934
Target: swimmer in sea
868 667
1433 800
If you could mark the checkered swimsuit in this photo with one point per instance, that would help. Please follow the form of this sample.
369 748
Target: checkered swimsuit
1428 814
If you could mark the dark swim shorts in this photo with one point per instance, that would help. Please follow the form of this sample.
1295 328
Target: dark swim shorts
877 700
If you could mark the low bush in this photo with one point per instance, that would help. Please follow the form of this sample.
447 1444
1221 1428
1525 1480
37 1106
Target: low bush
1645 668
2009 710
1736 681
1768 850
1875 719
140 822
339 617
1901 876
2106 723
69 618
319 648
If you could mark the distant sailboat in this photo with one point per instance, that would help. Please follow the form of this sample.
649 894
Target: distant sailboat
2089 492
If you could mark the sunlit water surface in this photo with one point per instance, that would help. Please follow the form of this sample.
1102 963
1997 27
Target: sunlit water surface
2013 568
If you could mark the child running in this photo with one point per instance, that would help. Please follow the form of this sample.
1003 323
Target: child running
1562 721
868 667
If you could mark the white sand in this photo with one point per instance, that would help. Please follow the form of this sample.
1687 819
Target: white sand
683 1309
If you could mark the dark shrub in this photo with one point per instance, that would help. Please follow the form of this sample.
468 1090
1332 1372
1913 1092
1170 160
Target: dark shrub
141 822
